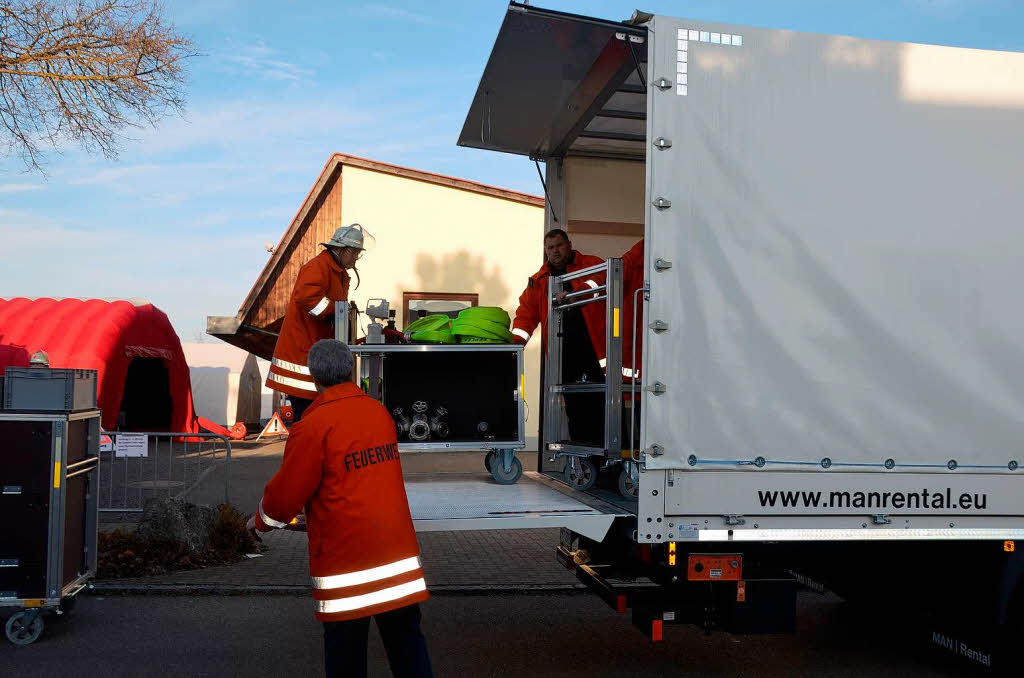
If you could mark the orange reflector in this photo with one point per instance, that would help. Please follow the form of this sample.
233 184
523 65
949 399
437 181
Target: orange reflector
1009 546
714 567
741 591
671 547
671 559
35 602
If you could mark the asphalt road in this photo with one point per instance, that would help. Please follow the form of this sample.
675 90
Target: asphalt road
468 636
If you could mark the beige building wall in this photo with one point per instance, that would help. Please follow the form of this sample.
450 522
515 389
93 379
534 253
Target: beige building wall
439 239
604 203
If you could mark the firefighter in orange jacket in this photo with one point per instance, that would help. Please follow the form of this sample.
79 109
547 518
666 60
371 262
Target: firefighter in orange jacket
582 332
321 282
341 466
559 258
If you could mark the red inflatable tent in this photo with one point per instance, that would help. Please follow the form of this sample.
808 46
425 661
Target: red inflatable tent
143 377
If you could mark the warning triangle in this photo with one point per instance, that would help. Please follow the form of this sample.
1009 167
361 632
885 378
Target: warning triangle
274 427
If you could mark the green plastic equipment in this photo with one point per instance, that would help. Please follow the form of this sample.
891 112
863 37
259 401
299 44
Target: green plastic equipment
482 325
433 329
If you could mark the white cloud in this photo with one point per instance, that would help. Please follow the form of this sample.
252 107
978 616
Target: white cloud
277 218
250 123
381 11
413 145
117 175
258 59
165 184
19 188
189 277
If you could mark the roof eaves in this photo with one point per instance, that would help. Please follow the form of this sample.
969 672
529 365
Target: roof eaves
441 180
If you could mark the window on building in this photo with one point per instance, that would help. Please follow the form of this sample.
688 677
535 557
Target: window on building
419 304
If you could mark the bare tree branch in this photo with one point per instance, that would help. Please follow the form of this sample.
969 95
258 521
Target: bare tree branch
84 71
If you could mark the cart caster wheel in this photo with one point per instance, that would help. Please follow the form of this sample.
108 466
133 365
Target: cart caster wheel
583 476
502 478
489 459
23 630
628 487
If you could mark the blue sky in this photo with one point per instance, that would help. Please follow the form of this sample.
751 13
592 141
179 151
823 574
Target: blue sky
182 216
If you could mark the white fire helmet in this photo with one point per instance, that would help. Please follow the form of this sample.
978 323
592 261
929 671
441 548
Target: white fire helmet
353 235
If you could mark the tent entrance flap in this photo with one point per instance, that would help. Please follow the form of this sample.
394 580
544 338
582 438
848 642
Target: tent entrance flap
560 84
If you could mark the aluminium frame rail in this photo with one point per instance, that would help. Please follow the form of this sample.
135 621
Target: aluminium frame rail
609 292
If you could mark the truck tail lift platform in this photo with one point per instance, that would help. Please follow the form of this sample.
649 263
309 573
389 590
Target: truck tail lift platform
830 326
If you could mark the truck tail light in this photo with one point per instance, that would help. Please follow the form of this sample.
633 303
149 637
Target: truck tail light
715 567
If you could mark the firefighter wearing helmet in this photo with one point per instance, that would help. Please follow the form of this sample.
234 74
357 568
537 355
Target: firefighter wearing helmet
322 282
39 359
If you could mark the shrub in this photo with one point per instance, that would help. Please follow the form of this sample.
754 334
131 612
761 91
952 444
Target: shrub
122 553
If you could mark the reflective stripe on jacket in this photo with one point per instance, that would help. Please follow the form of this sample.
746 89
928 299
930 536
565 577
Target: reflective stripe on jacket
533 303
341 465
320 283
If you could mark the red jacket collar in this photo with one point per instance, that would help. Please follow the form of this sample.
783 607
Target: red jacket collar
339 392
335 268
545 269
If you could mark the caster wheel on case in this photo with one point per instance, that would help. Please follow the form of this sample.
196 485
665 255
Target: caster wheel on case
24 628
580 473
513 475
628 487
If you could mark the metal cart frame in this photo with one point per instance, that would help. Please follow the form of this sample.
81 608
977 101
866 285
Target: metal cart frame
500 458
26 626
581 468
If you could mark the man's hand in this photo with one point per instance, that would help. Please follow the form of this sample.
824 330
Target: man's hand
250 527
560 297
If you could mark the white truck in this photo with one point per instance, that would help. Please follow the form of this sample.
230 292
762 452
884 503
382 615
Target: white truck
832 388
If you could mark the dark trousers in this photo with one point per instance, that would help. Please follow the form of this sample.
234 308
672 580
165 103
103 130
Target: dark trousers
345 645
299 406
584 412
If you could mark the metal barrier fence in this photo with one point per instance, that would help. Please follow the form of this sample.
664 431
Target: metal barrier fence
135 467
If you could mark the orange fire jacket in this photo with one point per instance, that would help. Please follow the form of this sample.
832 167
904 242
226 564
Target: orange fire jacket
533 304
341 465
320 283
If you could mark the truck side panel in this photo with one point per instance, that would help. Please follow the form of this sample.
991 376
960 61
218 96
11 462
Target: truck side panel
838 222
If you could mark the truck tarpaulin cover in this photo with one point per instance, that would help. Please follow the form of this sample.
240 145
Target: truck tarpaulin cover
846 242
105 336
